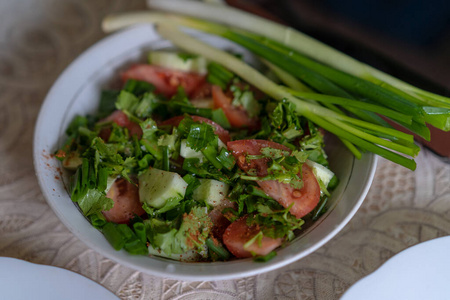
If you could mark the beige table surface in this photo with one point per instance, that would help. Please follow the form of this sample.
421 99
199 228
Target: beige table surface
38 39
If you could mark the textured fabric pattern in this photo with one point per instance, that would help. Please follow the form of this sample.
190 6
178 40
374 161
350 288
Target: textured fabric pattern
38 39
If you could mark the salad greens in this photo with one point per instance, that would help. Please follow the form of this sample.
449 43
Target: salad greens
183 173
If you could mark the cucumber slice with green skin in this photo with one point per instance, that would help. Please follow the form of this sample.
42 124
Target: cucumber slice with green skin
157 187
188 152
177 61
321 172
210 191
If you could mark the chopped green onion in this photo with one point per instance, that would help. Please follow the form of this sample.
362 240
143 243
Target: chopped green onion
152 148
226 159
114 236
126 231
97 220
145 161
256 191
256 239
139 229
165 158
103 174
136 247
333 183
210 152
266 257
192 182
221 252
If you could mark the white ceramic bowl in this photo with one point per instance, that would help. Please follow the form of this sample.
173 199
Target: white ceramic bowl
419 272
21 279
77 92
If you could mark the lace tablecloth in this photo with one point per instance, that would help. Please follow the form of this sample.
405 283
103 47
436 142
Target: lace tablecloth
38 39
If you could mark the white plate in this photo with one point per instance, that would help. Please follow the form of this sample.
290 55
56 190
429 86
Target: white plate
77 91
417 273
24 280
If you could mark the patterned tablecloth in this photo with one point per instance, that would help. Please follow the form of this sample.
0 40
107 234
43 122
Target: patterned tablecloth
38 39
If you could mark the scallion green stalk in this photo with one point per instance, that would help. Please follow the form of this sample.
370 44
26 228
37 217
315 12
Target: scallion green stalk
114 236
309 110
295 40
221 252
365 135
297 86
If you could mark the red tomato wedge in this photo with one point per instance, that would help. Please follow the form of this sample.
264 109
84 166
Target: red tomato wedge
203 91
126 202
223 134
166 81
239 233
121 119
304 200
241 148
220 222
237 116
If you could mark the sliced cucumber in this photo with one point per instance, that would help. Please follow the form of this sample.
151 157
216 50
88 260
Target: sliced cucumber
211 192
178 61
188 152
321 172
157 187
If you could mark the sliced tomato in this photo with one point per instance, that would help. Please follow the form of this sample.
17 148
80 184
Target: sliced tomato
202 91
126 202
220 222
239 233
237 116
304 200
166 81
223 134
241 148
121 119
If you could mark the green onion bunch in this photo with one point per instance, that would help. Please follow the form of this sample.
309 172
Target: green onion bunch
350 99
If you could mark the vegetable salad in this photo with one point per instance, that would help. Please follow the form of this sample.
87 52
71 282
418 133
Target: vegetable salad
190 162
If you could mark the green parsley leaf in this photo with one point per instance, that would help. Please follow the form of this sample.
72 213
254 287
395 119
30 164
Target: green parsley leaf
200 135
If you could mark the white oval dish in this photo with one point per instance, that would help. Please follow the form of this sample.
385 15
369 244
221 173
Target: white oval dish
77 92
419 272
22 280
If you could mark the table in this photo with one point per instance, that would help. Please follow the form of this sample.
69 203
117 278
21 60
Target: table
38 39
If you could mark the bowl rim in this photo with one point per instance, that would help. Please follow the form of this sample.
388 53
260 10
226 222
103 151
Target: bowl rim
165 267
